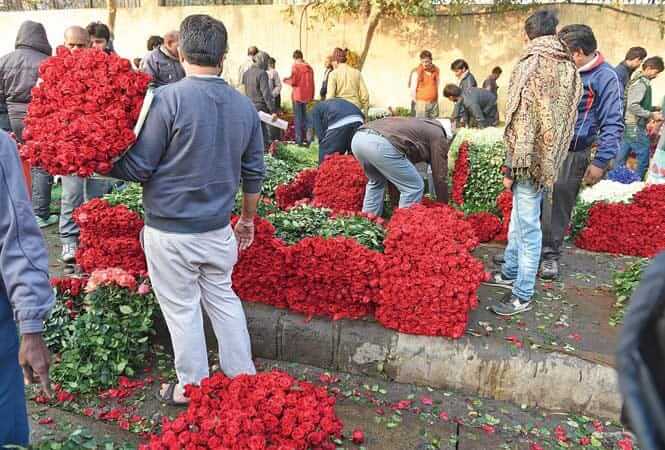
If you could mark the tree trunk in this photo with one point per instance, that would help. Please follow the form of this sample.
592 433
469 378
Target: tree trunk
111 9
372 22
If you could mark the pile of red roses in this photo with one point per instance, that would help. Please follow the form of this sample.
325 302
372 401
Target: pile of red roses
267 411
340 184
83 112
71 290
429 278
109 237
301 188
259 275
505 204
335 277
461 173
636 228
485 225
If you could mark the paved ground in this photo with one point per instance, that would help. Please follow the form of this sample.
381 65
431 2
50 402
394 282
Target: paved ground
392 416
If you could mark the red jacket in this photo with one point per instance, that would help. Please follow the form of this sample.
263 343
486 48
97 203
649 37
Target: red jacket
302 82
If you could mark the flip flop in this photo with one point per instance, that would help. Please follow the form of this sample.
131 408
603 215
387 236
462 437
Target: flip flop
168 396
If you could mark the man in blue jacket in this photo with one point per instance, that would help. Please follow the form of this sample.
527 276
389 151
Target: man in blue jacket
26 297
334 122
200 138
599 126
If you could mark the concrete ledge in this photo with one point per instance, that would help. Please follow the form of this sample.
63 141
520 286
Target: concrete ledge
484 367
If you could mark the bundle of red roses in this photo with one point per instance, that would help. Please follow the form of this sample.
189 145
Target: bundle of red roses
335 277
636 228
505 204
83 112
429 272
485 225
260 273
109 237
267 411
300 188
69 286
340 184
461 173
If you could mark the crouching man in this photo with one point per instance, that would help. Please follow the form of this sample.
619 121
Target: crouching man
200 139
387 150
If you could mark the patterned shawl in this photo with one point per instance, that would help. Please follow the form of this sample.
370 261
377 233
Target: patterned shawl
543 96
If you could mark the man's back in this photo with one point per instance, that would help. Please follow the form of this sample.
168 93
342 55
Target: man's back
199 135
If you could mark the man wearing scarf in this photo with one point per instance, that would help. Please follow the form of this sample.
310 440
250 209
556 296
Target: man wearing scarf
543 94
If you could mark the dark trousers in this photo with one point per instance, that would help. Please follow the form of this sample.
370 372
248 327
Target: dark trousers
300 111
337 140
14 424
42 182
557 211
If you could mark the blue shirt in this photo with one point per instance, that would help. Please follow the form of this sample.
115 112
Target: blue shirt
599 113
23 257
199 139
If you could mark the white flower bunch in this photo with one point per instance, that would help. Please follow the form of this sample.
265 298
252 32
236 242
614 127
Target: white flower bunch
611 192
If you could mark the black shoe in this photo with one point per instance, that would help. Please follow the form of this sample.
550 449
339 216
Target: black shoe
497 279
510 306
498 259
549 269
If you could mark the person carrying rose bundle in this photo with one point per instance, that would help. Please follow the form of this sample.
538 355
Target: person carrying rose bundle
387 150
77 190
26 298
543 94
19 72
200 138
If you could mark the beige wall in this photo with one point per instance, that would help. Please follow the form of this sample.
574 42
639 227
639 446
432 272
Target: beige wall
484 40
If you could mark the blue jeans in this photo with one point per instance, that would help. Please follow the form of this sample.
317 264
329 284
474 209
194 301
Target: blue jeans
635 139
76 191
300 110
525 240
14 429
382 162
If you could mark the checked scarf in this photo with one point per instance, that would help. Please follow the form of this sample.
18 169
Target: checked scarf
543 96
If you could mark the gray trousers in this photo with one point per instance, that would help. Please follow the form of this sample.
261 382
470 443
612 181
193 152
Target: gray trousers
190 271
556 212
76 191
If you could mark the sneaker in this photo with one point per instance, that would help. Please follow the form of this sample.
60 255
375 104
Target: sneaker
498 259
497 279
52 220
511 305
549 269
68 253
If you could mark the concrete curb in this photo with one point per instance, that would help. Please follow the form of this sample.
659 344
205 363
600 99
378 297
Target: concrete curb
484 367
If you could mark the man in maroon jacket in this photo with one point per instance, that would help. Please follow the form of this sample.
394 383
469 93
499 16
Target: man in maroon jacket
302 82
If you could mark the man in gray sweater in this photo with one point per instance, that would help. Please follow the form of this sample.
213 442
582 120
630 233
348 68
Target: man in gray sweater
26 297
200 139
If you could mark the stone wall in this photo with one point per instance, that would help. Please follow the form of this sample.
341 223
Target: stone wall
485 40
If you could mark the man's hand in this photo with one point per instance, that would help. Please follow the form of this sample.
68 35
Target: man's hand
507 183
244 233
593 175
35 359
274 117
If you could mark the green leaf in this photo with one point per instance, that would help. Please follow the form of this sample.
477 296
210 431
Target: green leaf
125 309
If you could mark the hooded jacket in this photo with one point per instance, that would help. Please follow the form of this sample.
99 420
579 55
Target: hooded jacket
19 70
302 82
599 112
257 84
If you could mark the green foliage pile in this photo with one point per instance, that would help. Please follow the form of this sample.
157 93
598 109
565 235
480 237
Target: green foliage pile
485 180
108 339
579 218
624 283
131 195
306 221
